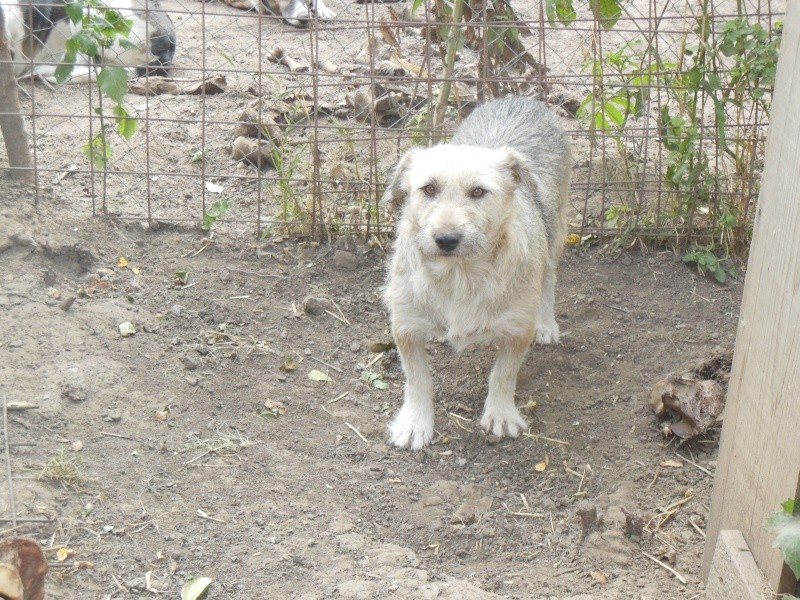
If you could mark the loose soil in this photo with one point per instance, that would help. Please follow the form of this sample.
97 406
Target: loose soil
193 448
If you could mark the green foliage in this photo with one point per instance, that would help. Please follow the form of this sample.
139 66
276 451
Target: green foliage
785 524
98 151
607 12
560 10
608 109
100 28
214 212
755 51
707 262
733 74
126 124
113 82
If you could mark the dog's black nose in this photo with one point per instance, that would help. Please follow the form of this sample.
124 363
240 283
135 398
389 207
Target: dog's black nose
447 242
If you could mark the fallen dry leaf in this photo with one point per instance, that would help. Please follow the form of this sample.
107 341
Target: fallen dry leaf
671 462
317 375
599 577
63 553
122 262
195 588
542 466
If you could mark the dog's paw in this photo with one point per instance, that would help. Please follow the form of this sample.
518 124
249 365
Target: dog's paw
503 422
324 13
547 333
297 14
409 430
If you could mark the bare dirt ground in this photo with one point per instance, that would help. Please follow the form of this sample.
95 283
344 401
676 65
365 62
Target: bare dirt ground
186 450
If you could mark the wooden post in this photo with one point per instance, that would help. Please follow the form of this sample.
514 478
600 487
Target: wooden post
759 457
11 123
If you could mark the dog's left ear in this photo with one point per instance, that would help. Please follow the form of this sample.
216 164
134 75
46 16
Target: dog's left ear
517 167
396 191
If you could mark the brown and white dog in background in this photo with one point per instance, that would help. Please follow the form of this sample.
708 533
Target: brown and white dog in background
37 33
481 229
296 12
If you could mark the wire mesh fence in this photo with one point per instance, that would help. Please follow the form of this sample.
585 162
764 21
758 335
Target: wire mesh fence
275 129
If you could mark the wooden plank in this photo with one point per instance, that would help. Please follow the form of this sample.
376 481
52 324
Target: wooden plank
734 573
759 459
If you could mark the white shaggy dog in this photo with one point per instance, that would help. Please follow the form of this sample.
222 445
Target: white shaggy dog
481 229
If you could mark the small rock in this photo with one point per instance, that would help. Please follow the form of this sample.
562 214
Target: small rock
73 392
588 514
471 510
137 584
127 329
190 363
66 303
176 310
355 347
347 261
113 417
191 380
77 446
316 306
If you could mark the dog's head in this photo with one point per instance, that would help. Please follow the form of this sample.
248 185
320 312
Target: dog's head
457 200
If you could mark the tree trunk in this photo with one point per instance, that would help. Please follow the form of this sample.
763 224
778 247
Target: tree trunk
11 123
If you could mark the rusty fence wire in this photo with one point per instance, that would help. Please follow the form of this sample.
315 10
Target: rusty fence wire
271 130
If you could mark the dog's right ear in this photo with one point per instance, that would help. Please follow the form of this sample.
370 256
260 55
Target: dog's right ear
396 191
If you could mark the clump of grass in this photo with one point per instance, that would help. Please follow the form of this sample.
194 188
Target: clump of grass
63 469
222 442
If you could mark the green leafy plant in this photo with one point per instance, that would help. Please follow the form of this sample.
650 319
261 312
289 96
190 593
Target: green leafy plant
713 91
607 12
98 29
214 212
707 262
785 524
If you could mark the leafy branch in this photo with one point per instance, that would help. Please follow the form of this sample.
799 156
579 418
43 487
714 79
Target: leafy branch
607 12
97 29
785 524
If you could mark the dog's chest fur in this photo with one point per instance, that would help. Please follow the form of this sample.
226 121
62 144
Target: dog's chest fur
466 301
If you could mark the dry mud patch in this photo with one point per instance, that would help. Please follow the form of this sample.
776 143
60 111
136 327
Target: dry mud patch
182 472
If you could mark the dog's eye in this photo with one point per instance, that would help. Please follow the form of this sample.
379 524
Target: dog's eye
429 190
477 192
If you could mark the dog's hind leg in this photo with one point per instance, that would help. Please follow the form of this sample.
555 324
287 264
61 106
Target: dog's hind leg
546 326
500 415
412 427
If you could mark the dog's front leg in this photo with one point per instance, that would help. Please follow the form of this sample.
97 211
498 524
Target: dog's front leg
500 415
413 425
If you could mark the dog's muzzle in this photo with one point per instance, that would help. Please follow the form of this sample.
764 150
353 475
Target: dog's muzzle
162 46
447 242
